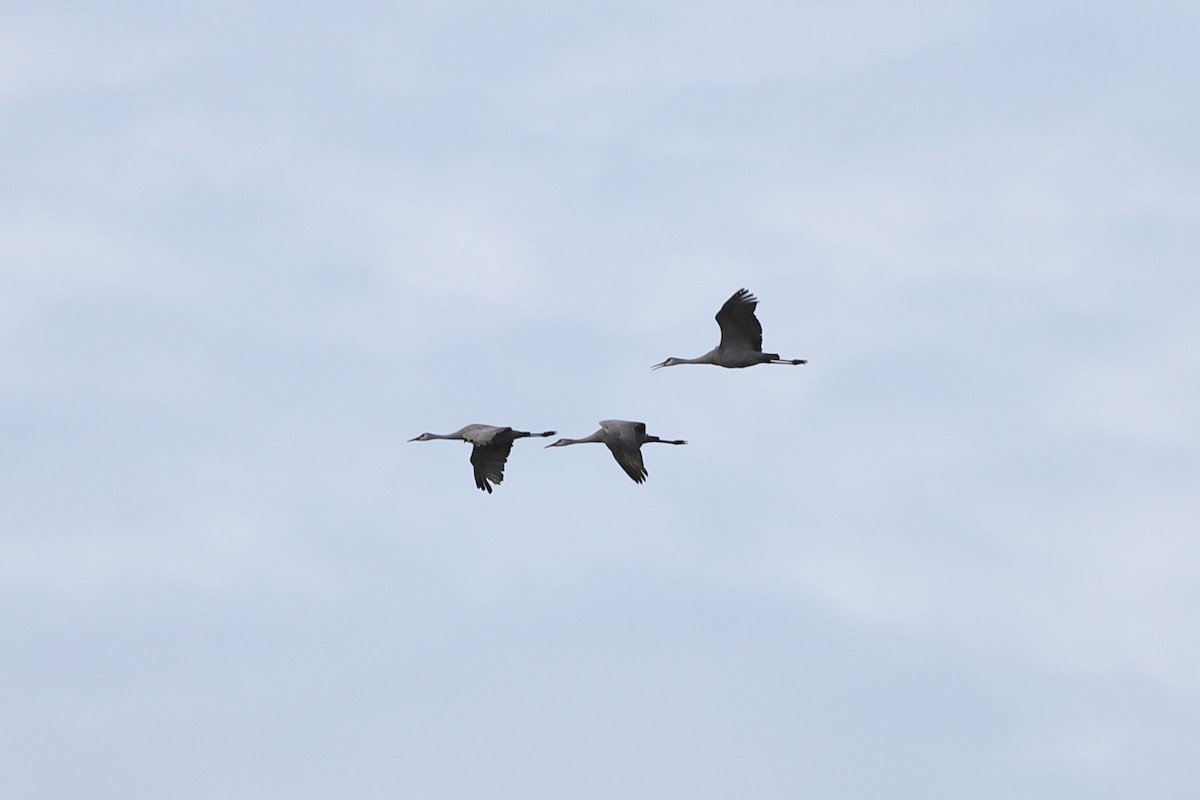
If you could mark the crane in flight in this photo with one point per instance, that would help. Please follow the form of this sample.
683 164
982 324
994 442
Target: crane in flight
741 338
492 445
625 440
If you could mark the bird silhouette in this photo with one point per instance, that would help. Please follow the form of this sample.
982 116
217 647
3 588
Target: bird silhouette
741 338
492 445
625 440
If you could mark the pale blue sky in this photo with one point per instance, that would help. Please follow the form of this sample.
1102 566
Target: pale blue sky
248 249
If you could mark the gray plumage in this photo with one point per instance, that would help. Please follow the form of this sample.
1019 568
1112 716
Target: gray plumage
624 439
741 338
489 452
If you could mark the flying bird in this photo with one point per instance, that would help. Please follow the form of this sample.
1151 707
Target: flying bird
625 440
490 452
741 338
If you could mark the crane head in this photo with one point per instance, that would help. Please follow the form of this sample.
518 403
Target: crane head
670 362
424 437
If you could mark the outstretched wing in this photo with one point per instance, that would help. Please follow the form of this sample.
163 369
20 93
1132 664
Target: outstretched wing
488 461
630 459
740 329
624 441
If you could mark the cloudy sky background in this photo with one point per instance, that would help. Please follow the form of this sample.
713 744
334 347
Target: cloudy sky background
248 249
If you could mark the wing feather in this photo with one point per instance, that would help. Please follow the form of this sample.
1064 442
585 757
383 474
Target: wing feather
629 457
624 440
740 329
488 461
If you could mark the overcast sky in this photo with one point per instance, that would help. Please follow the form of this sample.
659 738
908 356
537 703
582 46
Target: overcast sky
248 249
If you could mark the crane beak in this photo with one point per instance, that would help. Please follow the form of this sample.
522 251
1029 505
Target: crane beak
656 366
415 438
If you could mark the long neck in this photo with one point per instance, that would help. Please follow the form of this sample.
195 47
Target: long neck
598 436
708 358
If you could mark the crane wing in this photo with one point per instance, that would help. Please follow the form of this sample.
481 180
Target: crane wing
488 461
630 459
624 440
482 434
740 329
